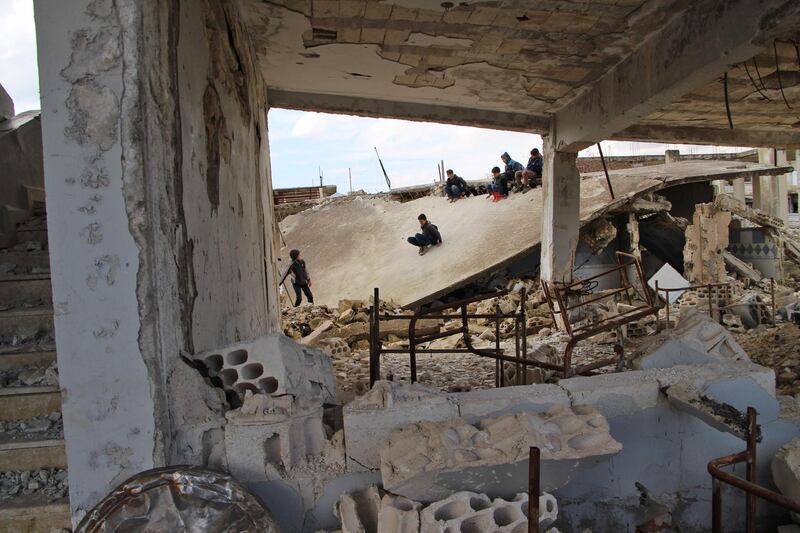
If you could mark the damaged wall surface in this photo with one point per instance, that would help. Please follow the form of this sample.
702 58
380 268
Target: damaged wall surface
479 237
155 134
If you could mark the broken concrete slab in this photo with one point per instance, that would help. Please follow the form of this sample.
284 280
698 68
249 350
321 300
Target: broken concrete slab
485 403
410 280
368 420
470 511
706 240
271 364
398 515
696 339
358 511
427 461
785 467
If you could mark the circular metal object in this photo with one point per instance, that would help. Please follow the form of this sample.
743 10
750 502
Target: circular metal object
179 499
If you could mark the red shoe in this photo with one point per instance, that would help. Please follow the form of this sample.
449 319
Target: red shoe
497 197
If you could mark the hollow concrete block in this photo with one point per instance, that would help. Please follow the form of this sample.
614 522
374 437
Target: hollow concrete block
472 512
271 364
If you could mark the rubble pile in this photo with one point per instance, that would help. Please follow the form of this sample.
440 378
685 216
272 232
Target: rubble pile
777 348
30 376
41 428
48 483
31 337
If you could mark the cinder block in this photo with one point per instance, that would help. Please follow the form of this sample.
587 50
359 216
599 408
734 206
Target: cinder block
469 511
272 364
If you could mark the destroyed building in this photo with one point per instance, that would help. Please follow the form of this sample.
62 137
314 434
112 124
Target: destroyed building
600 369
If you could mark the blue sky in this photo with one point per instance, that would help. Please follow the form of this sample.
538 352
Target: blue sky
301 143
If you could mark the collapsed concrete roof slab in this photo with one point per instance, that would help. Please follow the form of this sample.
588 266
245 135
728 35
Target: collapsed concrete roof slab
355 244
590 66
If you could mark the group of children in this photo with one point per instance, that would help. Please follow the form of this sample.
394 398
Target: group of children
520 179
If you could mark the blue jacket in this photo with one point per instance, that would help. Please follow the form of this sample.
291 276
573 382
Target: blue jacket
535 165
512 166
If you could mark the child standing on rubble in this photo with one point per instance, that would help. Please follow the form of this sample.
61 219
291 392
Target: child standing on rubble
301 281
430 235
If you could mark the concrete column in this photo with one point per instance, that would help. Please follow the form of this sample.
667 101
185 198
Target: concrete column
738 189
110 404
560 214
781 189
762 185
672 156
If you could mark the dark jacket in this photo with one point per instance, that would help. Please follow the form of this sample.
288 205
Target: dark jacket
432 233
535 165
457 180
299 273
512 166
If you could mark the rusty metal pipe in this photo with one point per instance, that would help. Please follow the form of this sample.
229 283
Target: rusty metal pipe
534 488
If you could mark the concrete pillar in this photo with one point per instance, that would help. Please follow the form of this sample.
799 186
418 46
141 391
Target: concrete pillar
160 224
560 214
781 189
672 156
762 185
738 189
110 404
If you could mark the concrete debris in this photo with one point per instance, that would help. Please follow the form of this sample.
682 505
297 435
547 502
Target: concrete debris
470 511
271 364
599 234
779 349
695 340
367 512
428 460
706 240
719 415
655 515
398 515
387 406
274 437
48 427
49 484
30 376
358 511
785 468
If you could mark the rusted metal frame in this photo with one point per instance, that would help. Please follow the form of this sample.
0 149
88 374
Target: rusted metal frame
607 325
587 369
603 296
595 325
707 286
465 301
534 488
388 318
440 335
563 312
498 364
549 298
375 340
749 485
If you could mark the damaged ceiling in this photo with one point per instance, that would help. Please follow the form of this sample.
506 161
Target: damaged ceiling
364 245
526 59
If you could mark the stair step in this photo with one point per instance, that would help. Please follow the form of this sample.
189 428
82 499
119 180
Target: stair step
26 322
21 403
18 290
26 260
10 360
29 514
33 455
32 235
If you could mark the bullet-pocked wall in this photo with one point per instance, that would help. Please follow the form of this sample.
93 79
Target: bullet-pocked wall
160 222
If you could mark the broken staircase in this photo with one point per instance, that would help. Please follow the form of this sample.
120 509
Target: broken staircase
33 477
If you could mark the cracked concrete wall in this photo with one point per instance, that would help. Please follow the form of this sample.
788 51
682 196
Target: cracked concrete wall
149 256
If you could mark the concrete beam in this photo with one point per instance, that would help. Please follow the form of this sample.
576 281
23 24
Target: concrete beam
716 136
692 49
370 107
